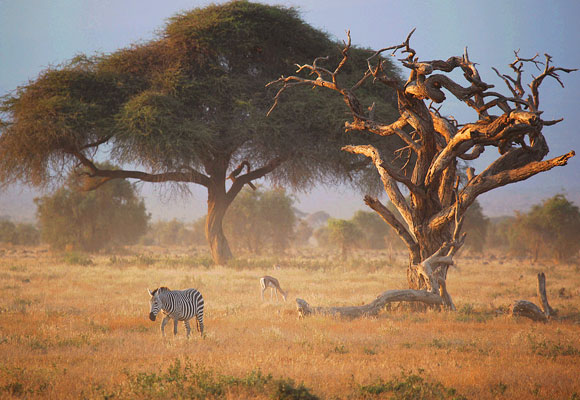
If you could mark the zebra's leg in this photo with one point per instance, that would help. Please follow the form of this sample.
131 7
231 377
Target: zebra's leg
187 327
199 320
163 323
175 321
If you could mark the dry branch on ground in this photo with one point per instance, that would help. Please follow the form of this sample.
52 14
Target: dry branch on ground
524 308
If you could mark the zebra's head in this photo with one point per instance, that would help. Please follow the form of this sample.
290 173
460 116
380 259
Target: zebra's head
155 304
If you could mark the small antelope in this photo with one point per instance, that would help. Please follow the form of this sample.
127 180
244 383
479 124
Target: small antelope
274 285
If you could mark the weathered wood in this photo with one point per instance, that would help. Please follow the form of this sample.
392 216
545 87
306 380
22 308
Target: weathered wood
435 144
524 308
543 297
372 308
447 300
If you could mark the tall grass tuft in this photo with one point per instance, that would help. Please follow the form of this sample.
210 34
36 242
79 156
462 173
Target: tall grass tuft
410 386
189 381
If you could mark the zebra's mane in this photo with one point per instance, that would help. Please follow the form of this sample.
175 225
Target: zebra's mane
160 289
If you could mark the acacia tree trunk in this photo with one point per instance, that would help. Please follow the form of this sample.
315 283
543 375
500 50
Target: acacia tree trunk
216 210
217 205
219 199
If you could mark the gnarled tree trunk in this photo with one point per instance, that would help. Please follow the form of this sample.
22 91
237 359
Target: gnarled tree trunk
217 206
219 199
216 211
428 166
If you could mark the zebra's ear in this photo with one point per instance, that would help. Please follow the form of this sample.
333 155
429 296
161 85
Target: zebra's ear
150 294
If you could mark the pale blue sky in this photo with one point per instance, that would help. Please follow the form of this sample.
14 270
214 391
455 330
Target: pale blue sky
37 33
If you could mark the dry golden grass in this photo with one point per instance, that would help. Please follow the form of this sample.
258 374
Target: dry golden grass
71 331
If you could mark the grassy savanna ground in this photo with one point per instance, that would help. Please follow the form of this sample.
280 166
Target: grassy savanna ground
70 328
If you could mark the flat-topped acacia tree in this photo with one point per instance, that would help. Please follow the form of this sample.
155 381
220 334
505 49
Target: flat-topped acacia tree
437 200
188 107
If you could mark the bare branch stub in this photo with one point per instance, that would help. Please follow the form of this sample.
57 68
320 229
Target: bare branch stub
524 308
435 143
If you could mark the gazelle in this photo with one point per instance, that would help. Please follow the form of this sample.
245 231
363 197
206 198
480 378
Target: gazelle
272 283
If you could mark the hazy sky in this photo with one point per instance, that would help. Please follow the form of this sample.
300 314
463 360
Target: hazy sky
37 33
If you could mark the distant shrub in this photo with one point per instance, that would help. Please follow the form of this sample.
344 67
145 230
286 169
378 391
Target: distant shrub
21 233
74 258
302 233
7 232
110 215
27 234
373 230
259 219
476 226
344 234
550 229
174 232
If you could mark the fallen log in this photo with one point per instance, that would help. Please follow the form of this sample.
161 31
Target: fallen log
372 308
524 308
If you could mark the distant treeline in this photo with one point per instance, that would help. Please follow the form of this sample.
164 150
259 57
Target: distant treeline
265 221
19 233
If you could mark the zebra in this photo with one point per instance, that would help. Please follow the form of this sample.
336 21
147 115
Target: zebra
179 305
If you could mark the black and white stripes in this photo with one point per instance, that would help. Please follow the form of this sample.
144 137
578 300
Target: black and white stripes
179 305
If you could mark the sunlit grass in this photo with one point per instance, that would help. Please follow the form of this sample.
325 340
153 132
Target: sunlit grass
70 330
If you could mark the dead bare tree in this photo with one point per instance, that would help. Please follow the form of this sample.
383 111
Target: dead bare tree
435 143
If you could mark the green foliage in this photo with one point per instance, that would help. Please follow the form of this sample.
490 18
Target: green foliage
193 94
76 258
410 386
550 229
27 234
498 389
174 232
89 221
279 218
374 231
498 232
302 233
188 381
257 218
322 236
198 231
366 230
21 233
344 234
475 225
468 313
550 349
286 390
191 104
7 232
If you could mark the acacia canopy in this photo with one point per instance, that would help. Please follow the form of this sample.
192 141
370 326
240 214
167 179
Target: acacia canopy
189 107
